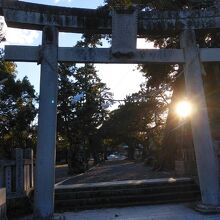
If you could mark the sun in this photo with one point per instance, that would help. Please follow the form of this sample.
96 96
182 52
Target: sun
183 109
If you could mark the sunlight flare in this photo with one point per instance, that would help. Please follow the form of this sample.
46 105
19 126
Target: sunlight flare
184 109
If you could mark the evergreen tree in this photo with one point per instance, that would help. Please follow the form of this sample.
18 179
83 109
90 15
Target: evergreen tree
17 110
170 77
82 107
138 120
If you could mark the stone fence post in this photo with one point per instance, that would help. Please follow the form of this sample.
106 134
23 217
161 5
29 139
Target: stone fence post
16 175
29 170
19 158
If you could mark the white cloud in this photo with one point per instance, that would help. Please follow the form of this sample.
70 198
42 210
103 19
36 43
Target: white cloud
21 36
57 1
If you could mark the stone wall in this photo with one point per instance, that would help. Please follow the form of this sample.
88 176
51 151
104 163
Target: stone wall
17 175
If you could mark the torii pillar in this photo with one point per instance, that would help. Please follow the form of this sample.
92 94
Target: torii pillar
47 124
206 157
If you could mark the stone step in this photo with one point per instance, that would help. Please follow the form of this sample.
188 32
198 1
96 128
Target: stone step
122 201
120 204
125 193
123 184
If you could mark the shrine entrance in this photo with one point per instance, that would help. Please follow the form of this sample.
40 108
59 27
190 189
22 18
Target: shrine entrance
128 23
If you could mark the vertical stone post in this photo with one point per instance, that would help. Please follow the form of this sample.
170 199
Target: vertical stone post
29 154
19 157
206 158
47 124
124 32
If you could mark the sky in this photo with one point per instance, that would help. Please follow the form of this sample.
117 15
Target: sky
122 79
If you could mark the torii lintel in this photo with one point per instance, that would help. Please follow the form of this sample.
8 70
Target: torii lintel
104 55
20 14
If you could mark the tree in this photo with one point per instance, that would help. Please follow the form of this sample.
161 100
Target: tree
163 78
17 110
136 121
81 111
171 76
2 29
161 4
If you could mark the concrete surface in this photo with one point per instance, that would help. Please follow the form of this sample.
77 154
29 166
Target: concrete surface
157 212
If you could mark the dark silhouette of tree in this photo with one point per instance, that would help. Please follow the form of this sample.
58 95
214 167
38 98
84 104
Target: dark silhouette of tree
17 110
171 77
136 121
82 107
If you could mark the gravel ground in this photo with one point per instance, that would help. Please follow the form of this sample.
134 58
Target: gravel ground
116 171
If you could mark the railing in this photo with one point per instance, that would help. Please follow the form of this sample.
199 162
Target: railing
17 175
3 204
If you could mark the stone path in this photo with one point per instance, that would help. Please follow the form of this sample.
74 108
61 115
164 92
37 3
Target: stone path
116 171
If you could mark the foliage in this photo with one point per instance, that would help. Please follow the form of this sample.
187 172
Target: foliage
173 76
133 121
2 29
82 107
162 4
17 110
137 121
170 77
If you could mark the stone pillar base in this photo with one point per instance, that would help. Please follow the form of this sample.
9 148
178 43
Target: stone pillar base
207 209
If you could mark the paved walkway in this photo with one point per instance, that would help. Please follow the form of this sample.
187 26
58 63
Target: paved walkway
157 212
116 171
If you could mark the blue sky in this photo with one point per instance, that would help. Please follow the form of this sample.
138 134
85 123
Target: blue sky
70 3
121 79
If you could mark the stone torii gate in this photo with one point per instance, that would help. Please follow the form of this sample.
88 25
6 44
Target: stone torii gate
129 24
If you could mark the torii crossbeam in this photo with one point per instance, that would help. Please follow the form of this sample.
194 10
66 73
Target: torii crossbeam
129 24
104 55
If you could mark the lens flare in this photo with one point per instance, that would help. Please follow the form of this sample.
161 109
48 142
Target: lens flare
184 109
